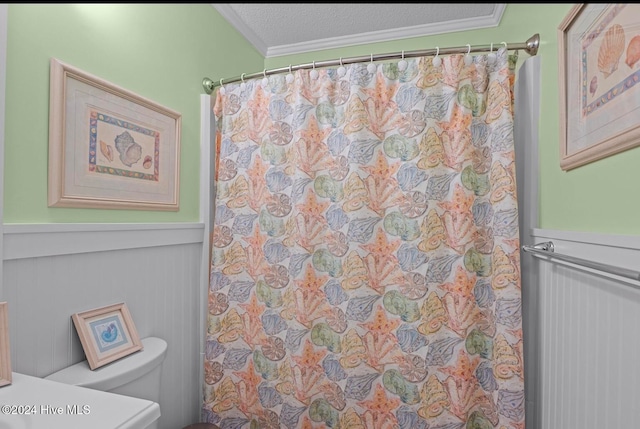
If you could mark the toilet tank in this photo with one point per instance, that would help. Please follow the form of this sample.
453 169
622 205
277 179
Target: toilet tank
136 375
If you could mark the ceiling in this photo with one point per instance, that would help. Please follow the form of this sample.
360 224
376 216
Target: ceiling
276 29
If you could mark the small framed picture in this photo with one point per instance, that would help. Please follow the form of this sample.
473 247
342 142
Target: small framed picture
5 350
107 334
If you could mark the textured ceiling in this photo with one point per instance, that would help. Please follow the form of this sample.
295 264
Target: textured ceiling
282 29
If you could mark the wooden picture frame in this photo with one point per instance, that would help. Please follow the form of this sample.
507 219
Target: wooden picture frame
599 69
108 147
5 349
107 334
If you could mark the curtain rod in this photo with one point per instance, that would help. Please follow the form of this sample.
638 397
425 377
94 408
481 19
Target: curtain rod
530 47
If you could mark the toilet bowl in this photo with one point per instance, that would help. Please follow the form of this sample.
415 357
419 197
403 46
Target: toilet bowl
136 375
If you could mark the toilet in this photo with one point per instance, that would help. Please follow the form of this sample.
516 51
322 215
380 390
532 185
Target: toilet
136 375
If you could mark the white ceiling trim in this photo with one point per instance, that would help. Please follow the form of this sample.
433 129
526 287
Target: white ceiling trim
392 34
359 39
232 17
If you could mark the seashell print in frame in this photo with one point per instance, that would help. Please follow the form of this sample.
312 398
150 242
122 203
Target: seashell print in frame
109 148
106 334
599 82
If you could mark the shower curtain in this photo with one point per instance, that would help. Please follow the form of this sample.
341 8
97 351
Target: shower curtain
365 267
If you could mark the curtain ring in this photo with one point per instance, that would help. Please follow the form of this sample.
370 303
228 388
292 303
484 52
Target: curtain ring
264 73
505 44
242 77
341 70
371 68
437 61
468 59
491 57
289 78
402 64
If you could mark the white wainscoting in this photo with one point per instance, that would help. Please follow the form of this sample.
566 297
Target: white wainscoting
53 271
589 342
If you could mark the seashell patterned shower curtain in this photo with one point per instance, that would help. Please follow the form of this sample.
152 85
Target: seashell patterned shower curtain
365 268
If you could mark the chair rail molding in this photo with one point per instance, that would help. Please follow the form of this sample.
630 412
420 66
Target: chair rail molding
38 240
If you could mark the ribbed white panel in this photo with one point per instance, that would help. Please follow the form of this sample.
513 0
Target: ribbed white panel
589 344
159 285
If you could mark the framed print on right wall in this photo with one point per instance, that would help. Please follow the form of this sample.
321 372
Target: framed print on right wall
599 73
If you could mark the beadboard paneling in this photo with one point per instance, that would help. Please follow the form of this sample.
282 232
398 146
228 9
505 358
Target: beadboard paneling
160 285
589 345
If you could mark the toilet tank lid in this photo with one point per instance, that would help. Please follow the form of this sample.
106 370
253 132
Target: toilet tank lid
117 373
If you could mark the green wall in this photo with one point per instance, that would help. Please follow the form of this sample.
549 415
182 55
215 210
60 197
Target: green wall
162 52
159 51
599 197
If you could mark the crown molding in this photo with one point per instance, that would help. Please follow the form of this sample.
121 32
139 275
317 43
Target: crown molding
393 34
466 24
232 17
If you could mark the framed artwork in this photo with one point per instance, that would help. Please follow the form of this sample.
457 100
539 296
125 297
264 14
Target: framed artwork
108 147
599 76
5 350
107 334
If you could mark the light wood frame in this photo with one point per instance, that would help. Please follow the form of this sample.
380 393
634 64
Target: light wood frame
610 127
5 349
107 334
109 148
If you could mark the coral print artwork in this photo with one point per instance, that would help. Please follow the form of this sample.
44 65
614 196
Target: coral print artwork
602 73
